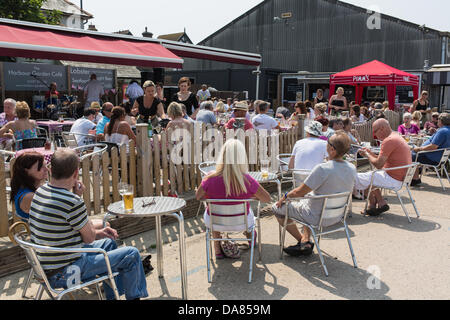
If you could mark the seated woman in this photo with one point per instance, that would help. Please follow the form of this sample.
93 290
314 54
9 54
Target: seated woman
118 130
231 181
432 126
408 127
23 128
352 134
334 176
129 117
175 112
417 119
29 173
327 132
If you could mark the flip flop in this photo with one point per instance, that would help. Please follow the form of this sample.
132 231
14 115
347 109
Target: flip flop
146 264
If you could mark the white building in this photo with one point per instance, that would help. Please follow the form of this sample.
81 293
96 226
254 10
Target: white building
72 15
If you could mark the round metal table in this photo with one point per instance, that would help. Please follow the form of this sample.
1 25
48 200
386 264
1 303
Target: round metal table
163 206
272 178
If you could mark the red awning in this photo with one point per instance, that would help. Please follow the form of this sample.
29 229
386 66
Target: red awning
374 73
40 43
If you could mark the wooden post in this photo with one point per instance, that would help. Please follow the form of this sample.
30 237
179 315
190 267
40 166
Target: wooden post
96 182
132 156
115 174
87 183
123 164
143 160
4 224
157 166
165 164
106 181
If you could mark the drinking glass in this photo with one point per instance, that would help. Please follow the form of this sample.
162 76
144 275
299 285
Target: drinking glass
128 197
265 164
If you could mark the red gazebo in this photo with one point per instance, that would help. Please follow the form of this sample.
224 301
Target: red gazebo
375 73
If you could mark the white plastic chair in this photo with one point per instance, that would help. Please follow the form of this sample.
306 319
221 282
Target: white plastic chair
224 215
439 167
39 274
334 206
405 185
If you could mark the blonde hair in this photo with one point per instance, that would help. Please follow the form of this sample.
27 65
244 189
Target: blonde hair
95 105
417 115
147 84
232 166
322 107
386 105
340 89
22 110
220 107
175 110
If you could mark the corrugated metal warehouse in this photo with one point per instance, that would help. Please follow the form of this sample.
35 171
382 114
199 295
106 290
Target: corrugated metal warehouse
319 36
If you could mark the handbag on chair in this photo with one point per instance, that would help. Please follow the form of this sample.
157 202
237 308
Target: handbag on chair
230 249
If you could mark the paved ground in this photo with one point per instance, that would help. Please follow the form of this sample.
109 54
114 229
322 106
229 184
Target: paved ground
411 261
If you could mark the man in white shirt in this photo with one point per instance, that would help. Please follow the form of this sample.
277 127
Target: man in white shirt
206 115
93 91
203 94
308 152
134 91
229 104
262 120
82 126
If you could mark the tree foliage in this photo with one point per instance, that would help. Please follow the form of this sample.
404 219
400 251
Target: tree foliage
28 10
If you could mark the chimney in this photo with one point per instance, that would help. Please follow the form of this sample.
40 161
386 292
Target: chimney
147 34
92 27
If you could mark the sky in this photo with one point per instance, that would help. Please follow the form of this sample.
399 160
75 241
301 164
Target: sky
202 18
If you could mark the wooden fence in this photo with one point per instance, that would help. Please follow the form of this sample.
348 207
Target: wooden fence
365 129
150 168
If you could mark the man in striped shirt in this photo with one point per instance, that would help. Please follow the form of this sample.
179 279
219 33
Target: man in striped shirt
58 218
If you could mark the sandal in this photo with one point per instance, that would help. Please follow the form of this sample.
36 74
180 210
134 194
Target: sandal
146 264
383 209
373 212
306 248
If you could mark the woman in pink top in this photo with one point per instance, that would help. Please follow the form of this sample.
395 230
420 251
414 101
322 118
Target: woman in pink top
407 127
231 181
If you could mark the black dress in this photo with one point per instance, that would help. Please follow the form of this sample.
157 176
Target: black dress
421 107
146 113
189 103
323 100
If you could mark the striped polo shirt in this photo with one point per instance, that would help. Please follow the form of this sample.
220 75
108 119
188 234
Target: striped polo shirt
56 217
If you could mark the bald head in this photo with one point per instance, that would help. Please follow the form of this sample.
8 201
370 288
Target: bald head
381 128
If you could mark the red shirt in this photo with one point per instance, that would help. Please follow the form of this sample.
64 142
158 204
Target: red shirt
230 125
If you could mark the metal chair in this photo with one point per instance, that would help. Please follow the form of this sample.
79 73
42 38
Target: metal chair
42 132
439 167
283 160
69 139
232 216
205 168
405 185
91 150
334 206
32 143
31 252
299 176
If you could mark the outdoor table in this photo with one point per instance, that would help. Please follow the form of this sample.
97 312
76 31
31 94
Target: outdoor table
272 178
47 153
164 206
54 126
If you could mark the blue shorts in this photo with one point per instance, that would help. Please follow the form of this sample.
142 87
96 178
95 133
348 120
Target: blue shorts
423 159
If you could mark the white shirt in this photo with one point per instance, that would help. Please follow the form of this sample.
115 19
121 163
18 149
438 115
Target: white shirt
203 95
83 126
94 89
309 152
263 121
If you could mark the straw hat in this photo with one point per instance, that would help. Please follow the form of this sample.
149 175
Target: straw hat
314 128
241 105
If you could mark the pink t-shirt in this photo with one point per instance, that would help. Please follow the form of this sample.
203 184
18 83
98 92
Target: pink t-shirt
214 188
411 130
398 154
230 125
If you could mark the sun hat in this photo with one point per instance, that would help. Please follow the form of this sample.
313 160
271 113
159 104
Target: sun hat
314 128
242 105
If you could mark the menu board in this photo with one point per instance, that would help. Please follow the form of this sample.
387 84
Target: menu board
33 76
80 76
293 90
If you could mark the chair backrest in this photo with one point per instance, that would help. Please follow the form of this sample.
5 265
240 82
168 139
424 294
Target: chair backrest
41 132
32 143
334 207
69 140
228 213
284 160
445 157
206 167
90 150
300 176
409 174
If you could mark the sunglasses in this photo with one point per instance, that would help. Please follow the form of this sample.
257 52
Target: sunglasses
331 145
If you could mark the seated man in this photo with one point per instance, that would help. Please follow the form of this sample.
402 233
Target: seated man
308 152
334 176
58 218
240 121
262 120
440 140
394 152
206 114
81 127
107 112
